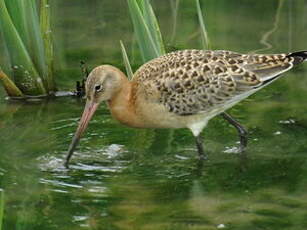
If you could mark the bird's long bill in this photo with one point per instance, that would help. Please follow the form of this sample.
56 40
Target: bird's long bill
88 112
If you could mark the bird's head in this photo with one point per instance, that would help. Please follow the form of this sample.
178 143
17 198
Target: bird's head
102 84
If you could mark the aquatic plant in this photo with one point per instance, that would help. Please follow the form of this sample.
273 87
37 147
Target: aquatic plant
28 40
148 34
146 29
11 89
126 61
203 30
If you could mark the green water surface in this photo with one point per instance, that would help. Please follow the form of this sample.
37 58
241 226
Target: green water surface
124 178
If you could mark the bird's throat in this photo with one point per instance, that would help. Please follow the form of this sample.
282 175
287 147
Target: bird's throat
123 106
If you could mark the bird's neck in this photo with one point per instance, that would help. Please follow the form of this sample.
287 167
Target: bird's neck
122 105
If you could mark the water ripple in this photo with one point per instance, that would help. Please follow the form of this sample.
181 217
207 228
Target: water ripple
59 183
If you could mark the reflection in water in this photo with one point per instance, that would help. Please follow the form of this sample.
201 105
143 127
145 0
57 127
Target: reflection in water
217 198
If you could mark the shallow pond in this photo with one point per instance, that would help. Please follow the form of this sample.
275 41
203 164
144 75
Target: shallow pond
123 178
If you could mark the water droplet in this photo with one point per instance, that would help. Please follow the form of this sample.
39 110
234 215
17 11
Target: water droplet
289 121
220 226
232 150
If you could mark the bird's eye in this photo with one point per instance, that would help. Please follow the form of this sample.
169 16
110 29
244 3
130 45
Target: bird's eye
98 88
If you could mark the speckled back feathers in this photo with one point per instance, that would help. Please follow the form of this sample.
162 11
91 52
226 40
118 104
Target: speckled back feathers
194 81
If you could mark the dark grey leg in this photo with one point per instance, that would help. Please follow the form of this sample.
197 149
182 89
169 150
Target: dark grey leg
200 148
241 130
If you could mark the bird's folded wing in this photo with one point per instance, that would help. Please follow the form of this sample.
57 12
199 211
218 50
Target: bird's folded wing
196 81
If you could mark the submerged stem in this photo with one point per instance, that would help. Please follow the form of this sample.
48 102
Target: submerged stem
11 89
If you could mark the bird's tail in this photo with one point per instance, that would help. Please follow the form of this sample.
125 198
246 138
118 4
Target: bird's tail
299 56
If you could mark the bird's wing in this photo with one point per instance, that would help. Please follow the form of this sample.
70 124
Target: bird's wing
195 81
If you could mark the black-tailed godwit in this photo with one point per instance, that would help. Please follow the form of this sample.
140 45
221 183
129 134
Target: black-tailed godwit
182 89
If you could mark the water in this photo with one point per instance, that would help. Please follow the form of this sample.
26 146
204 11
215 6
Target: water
123 178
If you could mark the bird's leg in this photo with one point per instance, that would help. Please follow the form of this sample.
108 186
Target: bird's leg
241 130
200 148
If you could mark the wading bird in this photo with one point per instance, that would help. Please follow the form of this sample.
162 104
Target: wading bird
182 89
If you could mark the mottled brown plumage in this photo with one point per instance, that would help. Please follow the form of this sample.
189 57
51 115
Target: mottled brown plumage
182 89
195 81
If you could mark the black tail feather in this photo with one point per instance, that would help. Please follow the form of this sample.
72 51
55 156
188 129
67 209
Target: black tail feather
299 56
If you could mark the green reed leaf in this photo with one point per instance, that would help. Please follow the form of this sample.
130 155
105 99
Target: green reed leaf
153 26
203 31
126 61
46 35
146 43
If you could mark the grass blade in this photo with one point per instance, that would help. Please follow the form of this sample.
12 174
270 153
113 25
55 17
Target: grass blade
126 61
46 34
144 37
17 9
174 7
25 73
153 26
36 46
203 31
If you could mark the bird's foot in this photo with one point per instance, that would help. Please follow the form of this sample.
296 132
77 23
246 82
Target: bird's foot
202 156
243 142
243 134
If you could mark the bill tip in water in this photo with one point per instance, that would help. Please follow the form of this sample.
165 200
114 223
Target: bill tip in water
66 163
71 151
